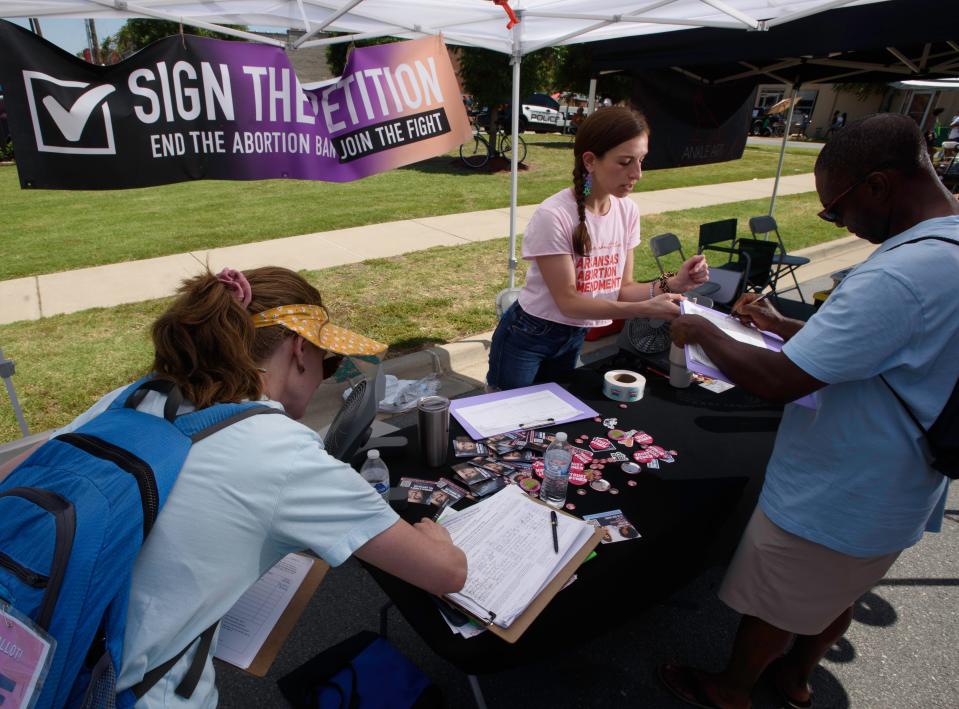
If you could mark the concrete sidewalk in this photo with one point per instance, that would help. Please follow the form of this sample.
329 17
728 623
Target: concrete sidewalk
105 286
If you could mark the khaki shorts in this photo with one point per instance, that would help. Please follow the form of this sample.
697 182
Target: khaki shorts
792 583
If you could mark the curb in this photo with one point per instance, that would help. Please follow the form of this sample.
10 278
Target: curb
829 248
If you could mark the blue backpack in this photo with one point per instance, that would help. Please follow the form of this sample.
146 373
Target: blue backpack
75 514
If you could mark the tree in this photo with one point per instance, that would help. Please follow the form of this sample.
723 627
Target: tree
336 54
138 33
574 69
488 77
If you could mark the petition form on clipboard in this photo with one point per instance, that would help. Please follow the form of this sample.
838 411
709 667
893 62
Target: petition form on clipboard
698 361
535 406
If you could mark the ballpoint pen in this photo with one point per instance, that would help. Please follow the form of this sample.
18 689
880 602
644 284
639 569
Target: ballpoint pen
553 523
535 424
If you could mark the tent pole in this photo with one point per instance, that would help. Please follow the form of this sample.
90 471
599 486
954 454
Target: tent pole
7 370
515 60
782 148
591 102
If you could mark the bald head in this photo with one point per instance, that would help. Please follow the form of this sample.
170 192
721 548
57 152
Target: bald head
881 139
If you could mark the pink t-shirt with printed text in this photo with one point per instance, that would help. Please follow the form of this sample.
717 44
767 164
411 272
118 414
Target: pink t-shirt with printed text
598 275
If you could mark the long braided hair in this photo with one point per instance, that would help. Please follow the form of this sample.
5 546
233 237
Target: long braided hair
602 131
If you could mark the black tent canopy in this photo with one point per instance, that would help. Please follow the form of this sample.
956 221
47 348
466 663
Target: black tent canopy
889 41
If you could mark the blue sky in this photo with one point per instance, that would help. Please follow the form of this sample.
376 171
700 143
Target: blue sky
71 34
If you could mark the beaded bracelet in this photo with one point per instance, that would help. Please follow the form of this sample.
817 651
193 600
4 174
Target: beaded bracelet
664 281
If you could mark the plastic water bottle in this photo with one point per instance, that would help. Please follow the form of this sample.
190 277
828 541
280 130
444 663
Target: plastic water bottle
556 462
375 472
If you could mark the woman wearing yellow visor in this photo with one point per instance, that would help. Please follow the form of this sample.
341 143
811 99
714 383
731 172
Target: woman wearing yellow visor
262 487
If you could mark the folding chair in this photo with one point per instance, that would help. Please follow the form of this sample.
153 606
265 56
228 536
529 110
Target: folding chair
757 261
668 243
720 236
784 263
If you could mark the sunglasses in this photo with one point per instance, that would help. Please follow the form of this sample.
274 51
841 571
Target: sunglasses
829 213
331 363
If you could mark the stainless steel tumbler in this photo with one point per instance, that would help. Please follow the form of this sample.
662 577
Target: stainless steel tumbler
433 414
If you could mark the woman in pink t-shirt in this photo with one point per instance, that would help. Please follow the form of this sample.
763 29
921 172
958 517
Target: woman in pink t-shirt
580 244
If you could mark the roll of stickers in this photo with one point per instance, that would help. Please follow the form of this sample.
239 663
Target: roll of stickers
623 385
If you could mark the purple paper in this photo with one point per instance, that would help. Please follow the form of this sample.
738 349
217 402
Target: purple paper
584 411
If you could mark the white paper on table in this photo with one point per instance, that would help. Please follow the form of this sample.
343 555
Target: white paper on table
516 412
508 542
732 327
248 624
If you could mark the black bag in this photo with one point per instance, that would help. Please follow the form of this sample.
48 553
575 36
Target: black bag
362 672
943 435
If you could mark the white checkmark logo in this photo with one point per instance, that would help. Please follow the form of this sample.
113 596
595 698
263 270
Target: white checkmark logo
71 122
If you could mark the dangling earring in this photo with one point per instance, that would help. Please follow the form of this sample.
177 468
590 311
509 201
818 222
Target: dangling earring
587 184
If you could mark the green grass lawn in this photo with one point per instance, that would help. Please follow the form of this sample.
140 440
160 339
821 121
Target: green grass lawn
45 231
64 363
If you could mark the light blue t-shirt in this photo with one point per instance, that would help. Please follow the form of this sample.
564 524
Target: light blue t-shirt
246 497
852 475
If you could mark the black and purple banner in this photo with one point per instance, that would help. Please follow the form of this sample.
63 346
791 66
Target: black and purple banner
692 123
191 108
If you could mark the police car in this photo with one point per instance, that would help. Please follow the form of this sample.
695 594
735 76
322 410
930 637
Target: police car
540 113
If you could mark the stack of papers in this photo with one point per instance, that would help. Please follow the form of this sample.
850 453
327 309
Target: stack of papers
508 541
729 325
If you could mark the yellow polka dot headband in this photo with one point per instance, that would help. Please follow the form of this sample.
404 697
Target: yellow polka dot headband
312 322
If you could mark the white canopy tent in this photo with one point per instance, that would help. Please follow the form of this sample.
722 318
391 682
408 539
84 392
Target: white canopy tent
473 23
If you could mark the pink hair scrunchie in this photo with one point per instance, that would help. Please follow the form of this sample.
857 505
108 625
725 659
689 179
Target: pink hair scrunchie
236 283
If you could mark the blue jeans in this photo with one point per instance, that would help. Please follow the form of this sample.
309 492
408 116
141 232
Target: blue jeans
528 350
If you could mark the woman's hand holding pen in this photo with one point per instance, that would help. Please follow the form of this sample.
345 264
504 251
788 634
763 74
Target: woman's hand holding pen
694 272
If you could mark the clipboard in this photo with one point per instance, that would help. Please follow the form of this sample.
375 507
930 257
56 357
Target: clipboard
772 341
291 615
526 618
582 410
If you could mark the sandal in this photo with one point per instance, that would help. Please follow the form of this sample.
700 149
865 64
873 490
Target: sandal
786 700
686 684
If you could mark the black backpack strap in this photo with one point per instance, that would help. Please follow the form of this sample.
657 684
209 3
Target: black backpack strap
164 386
904 405
190 679
885 381
926 238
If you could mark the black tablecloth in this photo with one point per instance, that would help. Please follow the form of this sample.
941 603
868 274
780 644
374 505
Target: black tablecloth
722 443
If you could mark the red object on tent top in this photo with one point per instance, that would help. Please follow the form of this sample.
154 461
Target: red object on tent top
513 19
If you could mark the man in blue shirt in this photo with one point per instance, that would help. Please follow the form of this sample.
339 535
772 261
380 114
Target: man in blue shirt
848 486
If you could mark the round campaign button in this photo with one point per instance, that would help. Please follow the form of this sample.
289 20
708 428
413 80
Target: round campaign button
570 506
630 468
632 483
581 491
616 434
539 466
643 456
622 406
600 485
529 485
656 451
613 491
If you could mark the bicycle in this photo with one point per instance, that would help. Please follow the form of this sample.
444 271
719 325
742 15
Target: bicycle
476 152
